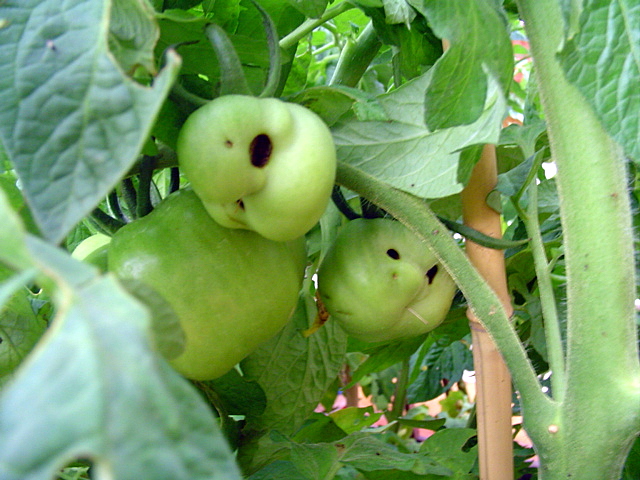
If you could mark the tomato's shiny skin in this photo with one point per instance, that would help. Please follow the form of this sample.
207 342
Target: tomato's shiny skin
231 289
381 283
260 164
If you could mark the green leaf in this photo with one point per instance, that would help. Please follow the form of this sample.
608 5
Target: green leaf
294 371
279 470
310 8
632 465
354 419
454 448
168 336
20 327
13 253
406 154
386 356
319 428
133 35
238 395
603 61
96 388
480 48
330 103
9 184
367 453
398 11
314 461
434 424
232 78
443 366
71 121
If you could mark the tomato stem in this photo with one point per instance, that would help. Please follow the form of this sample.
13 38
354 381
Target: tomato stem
356 57
555 350
311 24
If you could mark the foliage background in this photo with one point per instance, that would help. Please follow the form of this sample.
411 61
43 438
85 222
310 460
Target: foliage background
85 84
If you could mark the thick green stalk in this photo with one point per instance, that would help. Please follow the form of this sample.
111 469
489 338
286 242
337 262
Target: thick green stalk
356 57
486 306
599 414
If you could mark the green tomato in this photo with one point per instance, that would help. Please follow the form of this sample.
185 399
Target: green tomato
93 250
381 283
231 289
259 164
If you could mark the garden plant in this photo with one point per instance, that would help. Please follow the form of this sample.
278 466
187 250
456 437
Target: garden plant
224 224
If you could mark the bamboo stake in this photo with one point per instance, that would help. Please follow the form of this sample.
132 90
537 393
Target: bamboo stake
493 382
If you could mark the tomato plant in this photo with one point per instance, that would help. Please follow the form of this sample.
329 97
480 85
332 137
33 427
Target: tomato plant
499 139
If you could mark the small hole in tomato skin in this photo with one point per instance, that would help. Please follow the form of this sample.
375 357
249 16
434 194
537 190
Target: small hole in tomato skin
228 143
431 273
240 204
260 150
393 253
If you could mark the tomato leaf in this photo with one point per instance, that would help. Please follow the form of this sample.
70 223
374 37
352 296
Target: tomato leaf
71 121
20 327
133 35
367 453
479 48
282 364
603 61
403 152
454 448
94 389
13 253
311 8
442 366
287 361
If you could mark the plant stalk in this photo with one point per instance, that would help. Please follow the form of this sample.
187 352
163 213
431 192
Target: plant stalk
356 57
602 369
553 335
311 24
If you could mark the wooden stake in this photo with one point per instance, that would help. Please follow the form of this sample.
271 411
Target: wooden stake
493 382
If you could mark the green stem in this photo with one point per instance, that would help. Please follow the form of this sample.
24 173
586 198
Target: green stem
311 24
341 203
602 355
114 206
555 350
232 77
130 196
356 58
275 63
186 100
144 205
104 222
486 306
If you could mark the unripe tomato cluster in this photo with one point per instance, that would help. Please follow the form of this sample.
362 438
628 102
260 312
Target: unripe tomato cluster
228 253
